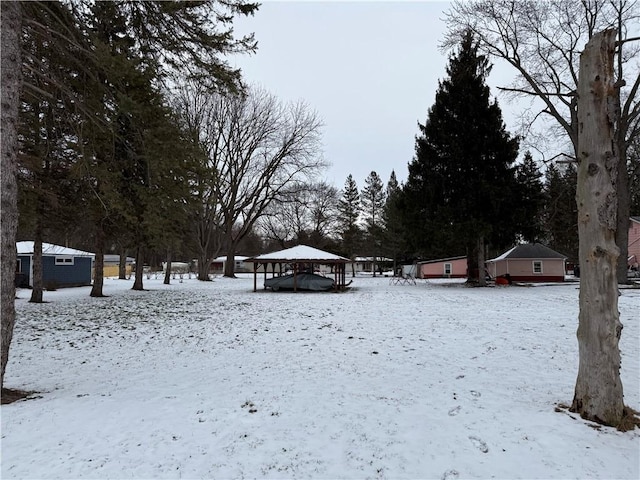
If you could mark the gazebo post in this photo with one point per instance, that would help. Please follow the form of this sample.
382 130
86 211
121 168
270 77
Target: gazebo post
255 277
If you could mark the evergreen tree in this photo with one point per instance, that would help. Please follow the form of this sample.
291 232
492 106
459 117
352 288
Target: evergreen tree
392 218
349 210
529 199
462 178
373 201
561 211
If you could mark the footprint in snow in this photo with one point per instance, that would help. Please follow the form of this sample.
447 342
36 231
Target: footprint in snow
454 411
479 444
475 394
450 475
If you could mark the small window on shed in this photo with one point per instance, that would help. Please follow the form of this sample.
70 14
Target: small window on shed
448 269
537 266
64 260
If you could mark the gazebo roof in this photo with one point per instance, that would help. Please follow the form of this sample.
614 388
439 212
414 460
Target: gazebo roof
299 254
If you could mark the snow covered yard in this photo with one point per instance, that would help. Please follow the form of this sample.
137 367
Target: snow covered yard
212 380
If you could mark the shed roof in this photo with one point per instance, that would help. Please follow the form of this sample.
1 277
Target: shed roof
26 248
438 260
529 250
300 253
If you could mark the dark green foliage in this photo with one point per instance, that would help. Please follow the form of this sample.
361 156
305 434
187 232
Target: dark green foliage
529 200
561 210
373 202
394 231
462 182
349 212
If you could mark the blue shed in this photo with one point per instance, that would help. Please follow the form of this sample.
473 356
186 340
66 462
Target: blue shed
61 266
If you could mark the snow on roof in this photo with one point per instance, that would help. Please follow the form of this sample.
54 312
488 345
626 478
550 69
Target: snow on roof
529 250
26 248
299 253
223 258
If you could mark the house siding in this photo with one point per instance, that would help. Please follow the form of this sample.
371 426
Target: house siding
78 274
75 275
521 270
436 269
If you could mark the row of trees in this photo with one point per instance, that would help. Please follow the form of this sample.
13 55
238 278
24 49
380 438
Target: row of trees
125 130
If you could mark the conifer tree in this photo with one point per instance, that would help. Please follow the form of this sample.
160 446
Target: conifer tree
349 209
462 179
373 200
529 199
392 217
560 211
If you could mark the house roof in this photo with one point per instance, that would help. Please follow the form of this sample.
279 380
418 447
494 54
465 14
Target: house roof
424 262
223 258
370 259
636 219
529 250
301 253
26 248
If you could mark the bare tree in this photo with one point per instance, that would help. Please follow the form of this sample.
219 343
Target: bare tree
263 150
307 214
200 112
598 392
11 16
542 42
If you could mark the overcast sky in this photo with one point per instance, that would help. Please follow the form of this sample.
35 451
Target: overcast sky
370 70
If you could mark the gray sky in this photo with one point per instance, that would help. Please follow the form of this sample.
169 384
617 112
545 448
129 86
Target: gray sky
370 70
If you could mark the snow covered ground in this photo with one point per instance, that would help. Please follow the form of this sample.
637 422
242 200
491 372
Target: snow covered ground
212 380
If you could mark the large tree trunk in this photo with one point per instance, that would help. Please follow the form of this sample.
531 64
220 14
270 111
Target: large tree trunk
598 391
167 271
204 264
36 292
98 265
11 18
137 282
230 264
482 281
122 265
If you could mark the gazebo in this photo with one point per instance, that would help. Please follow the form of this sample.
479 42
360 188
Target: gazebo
300 258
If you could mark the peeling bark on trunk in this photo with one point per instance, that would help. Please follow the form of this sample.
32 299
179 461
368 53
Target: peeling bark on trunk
11 61
598 391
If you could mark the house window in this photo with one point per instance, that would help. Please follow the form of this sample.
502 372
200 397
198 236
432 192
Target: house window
64 260
447 269
537 266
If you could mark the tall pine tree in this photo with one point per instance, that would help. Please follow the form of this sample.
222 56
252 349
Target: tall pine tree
373 201
560 211
462 179
349 209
